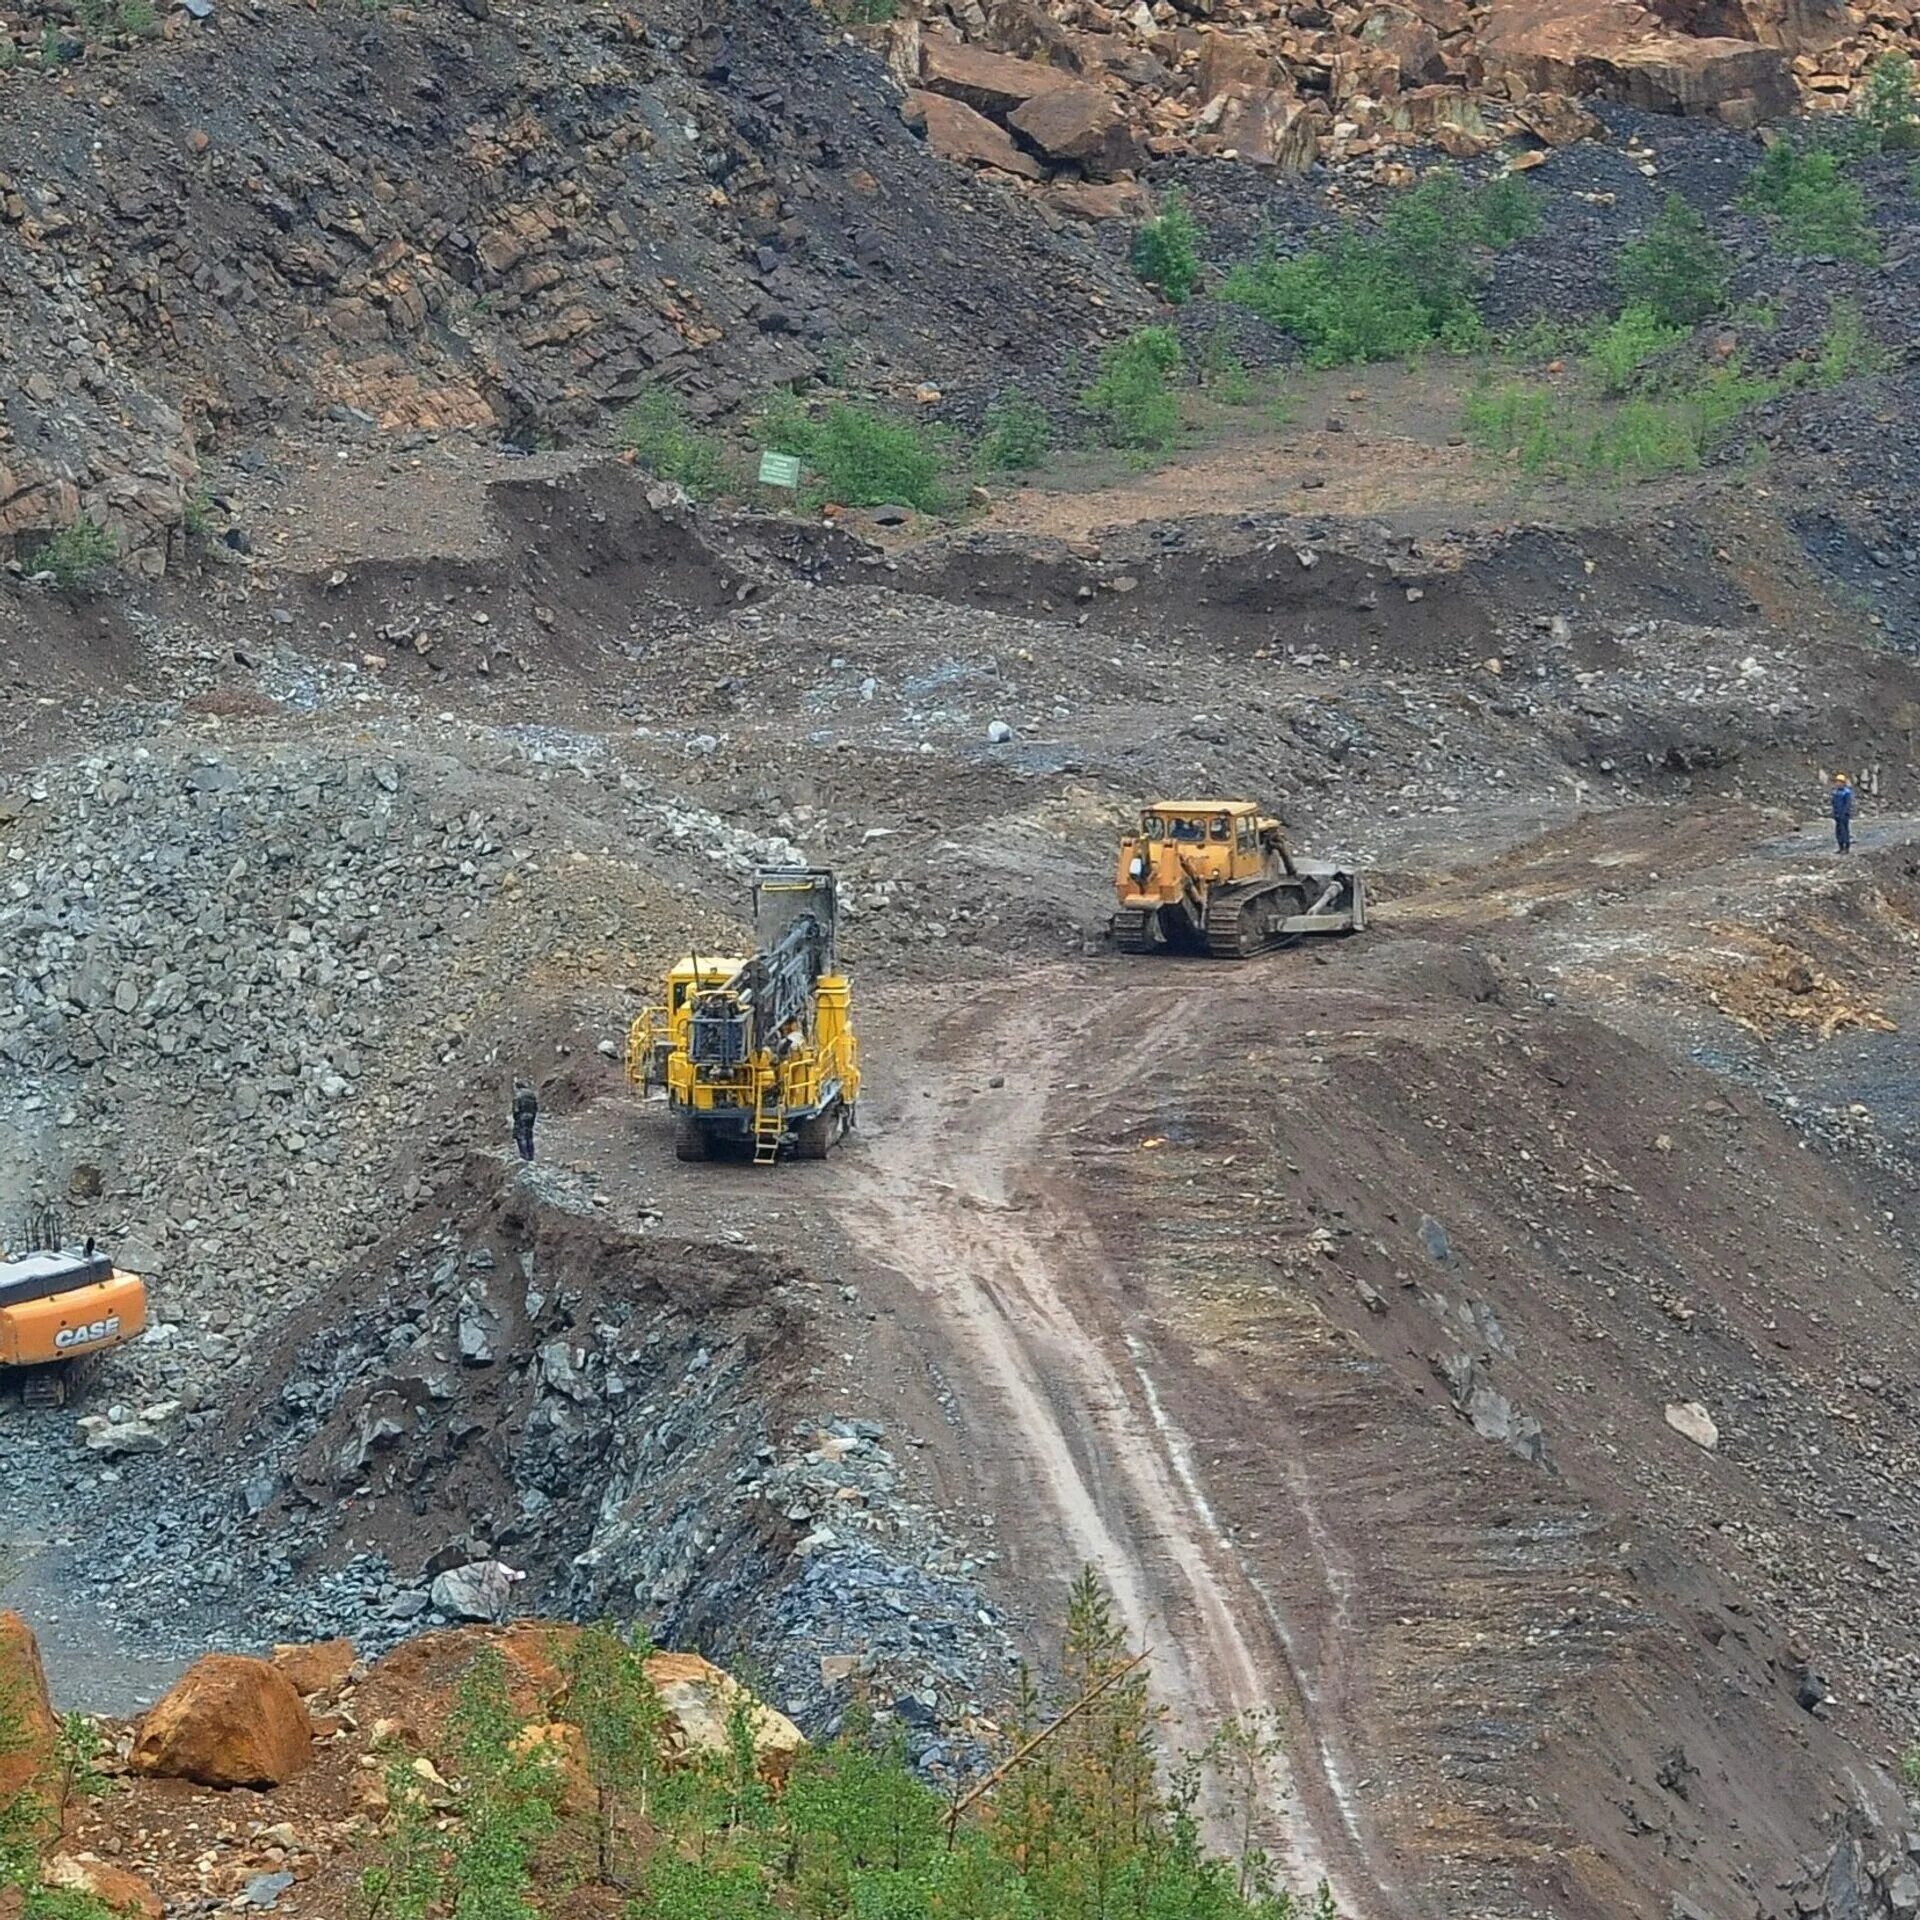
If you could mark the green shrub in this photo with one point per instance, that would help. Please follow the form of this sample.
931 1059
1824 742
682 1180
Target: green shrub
1624 353
656 430
1507 212
1347 301
1019 435
1382 295
1676 271
76 556
1819 210
1131 401
1846 348
510 1790
1166 251
863 458
1890 108
9 52
136 19
1088 1825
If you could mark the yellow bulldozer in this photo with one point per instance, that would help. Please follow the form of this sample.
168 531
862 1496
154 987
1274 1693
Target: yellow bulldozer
60 1309
1215 877
758 1055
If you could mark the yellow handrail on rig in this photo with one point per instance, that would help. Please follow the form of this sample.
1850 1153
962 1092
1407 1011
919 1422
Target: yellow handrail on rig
759 1053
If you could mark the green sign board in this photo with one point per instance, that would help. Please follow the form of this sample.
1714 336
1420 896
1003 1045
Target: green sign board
779 470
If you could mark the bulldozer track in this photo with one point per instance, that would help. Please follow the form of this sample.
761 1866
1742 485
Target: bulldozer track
1133 931
1230 914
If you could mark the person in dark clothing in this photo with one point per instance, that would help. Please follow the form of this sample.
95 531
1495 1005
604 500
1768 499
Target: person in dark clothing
526 1109
1842 813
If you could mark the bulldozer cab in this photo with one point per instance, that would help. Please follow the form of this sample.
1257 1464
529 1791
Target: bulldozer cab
1222 836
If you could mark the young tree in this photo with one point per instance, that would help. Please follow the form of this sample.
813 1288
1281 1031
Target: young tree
1677 270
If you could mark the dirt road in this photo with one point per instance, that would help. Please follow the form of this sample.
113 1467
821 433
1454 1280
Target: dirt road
957 1193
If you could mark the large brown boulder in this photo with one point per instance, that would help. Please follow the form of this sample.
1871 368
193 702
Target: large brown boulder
317 1666
990 83
1105 200
113 1887
1233 60
1269 128
1728 78
955 132
30 1752
1799 26
228 1722
1077 125
700 1701
1624 51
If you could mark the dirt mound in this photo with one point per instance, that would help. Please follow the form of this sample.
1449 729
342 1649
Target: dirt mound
1410 1266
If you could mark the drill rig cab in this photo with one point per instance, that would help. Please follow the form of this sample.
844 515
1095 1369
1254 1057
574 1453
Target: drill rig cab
1216 877
758 1054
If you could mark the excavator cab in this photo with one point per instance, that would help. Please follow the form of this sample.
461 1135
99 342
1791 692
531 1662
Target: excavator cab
61 1307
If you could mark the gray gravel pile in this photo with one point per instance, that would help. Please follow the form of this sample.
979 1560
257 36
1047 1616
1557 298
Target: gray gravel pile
589 1412
220 980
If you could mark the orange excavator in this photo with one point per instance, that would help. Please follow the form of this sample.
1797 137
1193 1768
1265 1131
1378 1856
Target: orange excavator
60 1309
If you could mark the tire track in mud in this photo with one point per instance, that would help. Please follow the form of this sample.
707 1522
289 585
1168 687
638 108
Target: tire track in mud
955 1195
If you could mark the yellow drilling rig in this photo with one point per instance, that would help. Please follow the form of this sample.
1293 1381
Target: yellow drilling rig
758 1055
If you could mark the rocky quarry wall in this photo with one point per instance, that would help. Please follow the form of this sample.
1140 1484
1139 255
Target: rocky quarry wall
418 222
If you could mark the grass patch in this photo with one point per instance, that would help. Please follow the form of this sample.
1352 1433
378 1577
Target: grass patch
656 431
1805 191
1390 292
1847 350
1623 354
1643 403
77 556
861 457
1131 401
1166 251
1223 374
1019 435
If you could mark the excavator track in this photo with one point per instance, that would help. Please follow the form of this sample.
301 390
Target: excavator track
54 1386
1236 920
1133 930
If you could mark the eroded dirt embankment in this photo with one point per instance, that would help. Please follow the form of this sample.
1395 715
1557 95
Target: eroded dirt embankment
1336 1306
